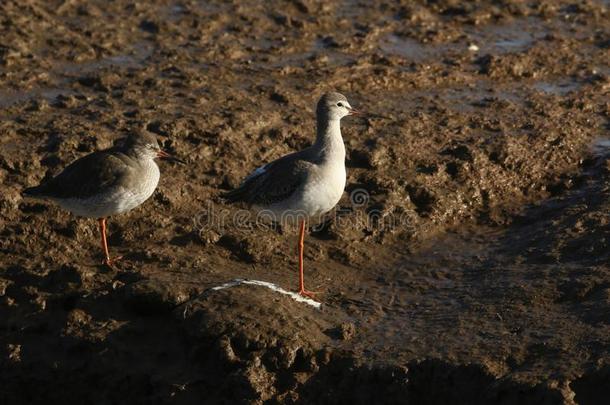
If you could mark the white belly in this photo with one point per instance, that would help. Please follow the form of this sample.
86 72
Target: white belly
318 196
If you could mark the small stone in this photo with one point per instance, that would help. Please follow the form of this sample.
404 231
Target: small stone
347 330
14 353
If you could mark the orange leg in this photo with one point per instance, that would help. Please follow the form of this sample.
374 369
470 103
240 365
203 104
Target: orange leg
107 260
302 289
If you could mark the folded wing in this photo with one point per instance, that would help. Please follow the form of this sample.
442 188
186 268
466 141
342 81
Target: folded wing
272 183
84 177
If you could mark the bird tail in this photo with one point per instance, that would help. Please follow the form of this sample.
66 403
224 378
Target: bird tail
34 192
234 196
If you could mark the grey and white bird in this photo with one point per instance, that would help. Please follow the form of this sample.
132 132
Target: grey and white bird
107 182
306 184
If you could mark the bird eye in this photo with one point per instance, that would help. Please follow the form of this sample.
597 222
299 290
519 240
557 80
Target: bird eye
339 104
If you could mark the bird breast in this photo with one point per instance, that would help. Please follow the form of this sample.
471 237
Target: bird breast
329 189
128 194
323 190
145 182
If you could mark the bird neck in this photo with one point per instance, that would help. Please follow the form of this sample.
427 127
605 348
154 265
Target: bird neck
329 142
143 157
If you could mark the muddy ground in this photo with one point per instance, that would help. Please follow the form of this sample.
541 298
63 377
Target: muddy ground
467 262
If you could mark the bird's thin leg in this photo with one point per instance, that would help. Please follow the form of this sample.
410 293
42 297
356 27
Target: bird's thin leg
302 289
107 260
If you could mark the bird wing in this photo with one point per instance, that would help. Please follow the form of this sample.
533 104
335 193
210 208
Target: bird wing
85 177
273 182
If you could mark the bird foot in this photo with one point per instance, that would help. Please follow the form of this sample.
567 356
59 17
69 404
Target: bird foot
307 294
110 261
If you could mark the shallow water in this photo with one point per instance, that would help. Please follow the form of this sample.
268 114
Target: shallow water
64 74
560 87
495 39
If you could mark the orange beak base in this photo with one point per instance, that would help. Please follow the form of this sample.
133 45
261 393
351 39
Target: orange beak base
164 155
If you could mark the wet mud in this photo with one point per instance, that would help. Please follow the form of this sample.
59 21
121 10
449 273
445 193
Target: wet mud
466 263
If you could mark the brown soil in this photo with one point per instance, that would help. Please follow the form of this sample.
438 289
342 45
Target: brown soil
475 269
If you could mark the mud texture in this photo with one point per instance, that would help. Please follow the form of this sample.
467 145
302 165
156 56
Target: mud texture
467 262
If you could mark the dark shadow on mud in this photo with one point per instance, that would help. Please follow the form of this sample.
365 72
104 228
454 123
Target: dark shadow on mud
569 228
592 388
421 382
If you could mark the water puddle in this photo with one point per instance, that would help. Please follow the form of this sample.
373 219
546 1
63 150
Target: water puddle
321 51
176 12
555 88
559 88
9 97
65 73
601 147
213 8
134 59
467 99
503 39
516 36
412 49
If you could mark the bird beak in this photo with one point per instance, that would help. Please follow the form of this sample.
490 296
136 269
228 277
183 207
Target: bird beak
164 155
355 112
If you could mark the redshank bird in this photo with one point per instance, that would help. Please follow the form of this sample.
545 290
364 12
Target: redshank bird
303 185
107 182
